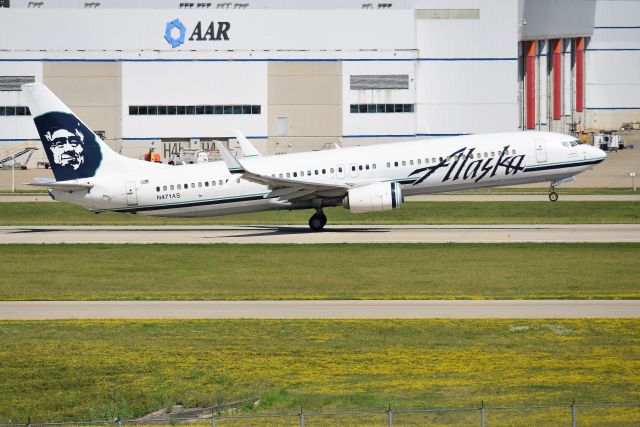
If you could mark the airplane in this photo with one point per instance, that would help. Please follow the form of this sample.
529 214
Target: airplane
362 179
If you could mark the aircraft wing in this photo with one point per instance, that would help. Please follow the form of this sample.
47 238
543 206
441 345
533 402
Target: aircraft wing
60 185
284 189
247 148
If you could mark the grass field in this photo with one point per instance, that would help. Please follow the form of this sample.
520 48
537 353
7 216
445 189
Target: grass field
101 369
337 271
562 212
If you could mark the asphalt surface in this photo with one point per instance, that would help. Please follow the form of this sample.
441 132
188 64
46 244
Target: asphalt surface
462 309
331 234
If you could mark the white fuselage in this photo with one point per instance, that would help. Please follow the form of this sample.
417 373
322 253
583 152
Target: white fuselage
421 166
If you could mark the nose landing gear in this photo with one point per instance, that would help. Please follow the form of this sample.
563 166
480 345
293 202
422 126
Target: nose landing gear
318 220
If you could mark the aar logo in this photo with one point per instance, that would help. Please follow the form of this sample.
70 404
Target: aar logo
173 27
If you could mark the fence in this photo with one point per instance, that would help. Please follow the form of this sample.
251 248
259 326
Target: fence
573 414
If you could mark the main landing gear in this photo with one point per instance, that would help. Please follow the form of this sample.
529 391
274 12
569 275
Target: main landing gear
318 220
553 196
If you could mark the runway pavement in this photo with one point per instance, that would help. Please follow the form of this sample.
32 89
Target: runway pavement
378 309
331 234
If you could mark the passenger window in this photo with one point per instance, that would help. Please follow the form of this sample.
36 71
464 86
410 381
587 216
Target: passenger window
479 155
324 171
395 164
279 175
308 173
213 183
179 187
360 167
158 189
411 162
366 167
339 169
295 174
404 163
301 173
331 170
433 160
388 164
220 182
226 180
193 185
493 154
486 154
513 152
199 185
440 159
373 166
288 175
186 186
353 168
419 161
316 171
164 188
206 183
172 188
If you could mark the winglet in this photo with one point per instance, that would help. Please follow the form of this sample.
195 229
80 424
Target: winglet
232 163
247 148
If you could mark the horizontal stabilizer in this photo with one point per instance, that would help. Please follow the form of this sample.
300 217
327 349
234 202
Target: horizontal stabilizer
62 185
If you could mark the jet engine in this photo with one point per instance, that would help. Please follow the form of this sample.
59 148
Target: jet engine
381 196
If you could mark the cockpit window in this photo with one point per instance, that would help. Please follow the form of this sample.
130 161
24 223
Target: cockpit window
566 144
575 142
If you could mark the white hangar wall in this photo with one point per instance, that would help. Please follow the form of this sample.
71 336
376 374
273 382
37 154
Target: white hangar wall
613 64
468 69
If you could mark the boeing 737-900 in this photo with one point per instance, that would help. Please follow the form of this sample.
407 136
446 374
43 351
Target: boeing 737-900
362 179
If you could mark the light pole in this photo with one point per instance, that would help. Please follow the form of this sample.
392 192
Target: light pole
13 173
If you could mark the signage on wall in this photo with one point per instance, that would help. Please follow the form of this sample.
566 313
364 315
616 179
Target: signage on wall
175 32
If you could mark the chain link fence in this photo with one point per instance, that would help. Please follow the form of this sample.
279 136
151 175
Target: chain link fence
596 414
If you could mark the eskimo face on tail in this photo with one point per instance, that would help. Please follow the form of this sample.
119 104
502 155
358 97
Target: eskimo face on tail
66 147
70 146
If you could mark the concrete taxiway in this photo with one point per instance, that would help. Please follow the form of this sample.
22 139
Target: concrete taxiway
332 234
375 309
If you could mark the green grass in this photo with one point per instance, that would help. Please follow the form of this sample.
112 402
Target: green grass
335 271
54 370
562 212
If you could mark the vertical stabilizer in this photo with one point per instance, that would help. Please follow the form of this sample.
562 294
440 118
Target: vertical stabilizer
73 150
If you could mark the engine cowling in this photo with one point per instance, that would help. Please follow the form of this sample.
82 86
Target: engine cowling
381 196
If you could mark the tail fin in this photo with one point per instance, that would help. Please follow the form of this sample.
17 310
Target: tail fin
73 150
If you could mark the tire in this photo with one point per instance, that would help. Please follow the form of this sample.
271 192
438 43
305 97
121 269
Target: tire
553 196
317 222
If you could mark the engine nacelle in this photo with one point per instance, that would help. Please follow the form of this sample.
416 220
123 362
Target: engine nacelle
381 196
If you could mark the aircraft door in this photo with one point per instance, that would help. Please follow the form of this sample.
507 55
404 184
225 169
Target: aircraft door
340 171
132 194
541 150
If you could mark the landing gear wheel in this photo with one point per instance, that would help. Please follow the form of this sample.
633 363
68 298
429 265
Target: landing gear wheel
317 221
553 196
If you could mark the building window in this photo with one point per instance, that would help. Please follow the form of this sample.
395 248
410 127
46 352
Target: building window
161 110
381 108
14 111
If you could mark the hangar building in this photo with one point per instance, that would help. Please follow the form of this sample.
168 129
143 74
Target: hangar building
302 75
